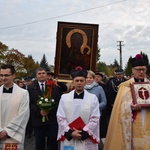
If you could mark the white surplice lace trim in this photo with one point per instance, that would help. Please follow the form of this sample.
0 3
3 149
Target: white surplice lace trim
63 126
91 128
90 146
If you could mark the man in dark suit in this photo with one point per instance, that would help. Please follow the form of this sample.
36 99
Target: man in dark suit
48 129
29 128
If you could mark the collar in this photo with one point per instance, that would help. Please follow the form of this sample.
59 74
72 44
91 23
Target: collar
78 96
136 80
41 83
7 90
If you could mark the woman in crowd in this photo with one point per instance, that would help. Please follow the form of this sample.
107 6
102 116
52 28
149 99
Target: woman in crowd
94 88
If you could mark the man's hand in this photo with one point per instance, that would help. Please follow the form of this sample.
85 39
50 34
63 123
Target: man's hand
76 134
135 107
3 135
43 113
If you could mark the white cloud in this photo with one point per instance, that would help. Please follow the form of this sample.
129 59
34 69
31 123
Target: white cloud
127 21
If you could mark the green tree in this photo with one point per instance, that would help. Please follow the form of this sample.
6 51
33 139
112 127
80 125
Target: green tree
3 49
128 67
115 64
102 67
145 57
44 63
30 65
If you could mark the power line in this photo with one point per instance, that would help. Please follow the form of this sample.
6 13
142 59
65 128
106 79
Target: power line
33 22
139 28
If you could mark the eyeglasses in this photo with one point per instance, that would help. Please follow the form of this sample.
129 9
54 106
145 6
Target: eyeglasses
5 75
140 69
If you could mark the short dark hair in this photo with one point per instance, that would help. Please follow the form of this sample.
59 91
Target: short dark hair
40 69
8 66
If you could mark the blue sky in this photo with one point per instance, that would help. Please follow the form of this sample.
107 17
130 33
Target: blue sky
31 25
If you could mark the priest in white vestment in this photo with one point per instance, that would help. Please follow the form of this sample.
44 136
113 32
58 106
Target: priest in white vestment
14 111
78 105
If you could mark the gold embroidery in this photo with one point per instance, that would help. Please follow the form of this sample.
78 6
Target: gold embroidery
141 142
126 119
11 146
85 40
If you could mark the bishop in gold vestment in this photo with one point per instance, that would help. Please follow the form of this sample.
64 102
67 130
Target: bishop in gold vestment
129 127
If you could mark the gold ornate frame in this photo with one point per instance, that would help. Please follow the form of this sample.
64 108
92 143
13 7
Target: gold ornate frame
76 45
141 93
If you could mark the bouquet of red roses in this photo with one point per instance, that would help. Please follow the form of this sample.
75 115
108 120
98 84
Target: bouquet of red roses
46 102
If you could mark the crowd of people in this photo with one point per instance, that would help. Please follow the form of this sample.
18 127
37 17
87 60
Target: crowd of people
93 112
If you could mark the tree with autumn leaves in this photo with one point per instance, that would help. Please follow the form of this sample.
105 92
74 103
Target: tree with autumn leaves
25 66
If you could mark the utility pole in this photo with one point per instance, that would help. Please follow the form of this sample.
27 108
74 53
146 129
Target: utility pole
120 49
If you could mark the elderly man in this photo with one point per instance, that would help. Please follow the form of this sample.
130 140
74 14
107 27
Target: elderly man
130 123
78 116
14 110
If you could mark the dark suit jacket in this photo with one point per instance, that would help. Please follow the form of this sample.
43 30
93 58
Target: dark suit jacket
112 85
34 93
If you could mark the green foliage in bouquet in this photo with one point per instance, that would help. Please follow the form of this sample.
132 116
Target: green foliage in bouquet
46 102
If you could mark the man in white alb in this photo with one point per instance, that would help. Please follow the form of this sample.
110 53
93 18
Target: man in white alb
14 111
78 105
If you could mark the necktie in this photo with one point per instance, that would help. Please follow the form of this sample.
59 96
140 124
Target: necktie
42 89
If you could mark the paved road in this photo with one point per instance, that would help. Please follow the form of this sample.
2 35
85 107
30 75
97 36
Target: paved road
29 143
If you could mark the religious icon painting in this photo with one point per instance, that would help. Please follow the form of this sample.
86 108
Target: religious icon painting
76 45
141 93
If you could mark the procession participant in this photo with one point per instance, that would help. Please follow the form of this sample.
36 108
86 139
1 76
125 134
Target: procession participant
1 83
61 85
93 87
112 86
130 123
29 128
45 132
104 113
28 81
14 110
75 107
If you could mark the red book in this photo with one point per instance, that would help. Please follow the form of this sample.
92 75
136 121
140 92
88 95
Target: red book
79 125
